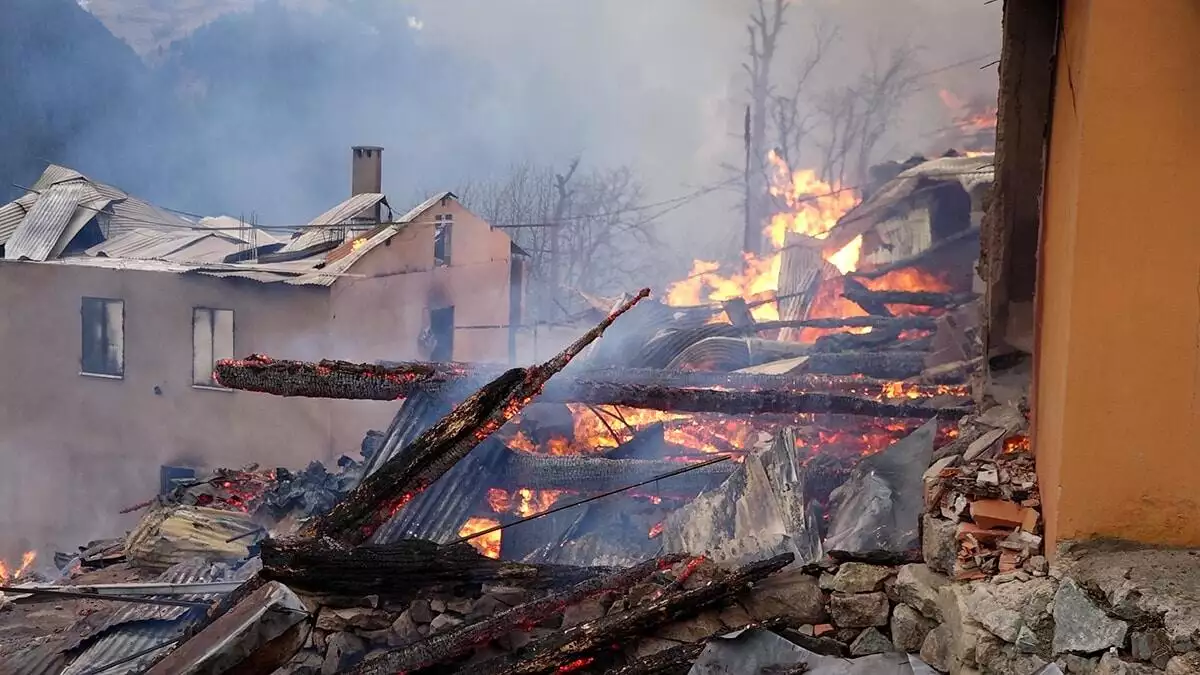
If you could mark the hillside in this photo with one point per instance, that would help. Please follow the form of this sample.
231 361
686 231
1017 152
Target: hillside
69 83
149 26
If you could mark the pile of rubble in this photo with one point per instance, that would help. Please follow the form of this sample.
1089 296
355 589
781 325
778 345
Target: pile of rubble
982 502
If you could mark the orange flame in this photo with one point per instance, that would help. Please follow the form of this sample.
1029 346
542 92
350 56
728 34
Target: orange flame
812 208
970 119
1018 443
487 544
27 559
523 502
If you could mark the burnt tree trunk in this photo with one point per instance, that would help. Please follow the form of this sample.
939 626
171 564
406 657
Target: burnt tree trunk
399 570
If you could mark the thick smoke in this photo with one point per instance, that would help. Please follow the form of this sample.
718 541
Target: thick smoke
252 113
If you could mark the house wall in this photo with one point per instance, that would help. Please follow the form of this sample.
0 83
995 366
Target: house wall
1117 386
75 449
380 309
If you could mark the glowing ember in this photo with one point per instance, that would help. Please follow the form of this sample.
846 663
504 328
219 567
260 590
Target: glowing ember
7 575
358 243
575 665
499 500
811 208
656 530
1018 443
487 544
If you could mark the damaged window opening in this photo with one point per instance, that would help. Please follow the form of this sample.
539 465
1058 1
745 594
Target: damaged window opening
103 346
443 223
212 340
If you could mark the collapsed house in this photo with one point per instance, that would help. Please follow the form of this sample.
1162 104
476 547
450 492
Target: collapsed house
835 449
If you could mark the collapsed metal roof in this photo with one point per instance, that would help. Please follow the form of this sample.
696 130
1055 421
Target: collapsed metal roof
137 235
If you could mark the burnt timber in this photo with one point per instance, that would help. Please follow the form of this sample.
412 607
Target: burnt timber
441 648
400 569
598 474
648 389
380 495
556 652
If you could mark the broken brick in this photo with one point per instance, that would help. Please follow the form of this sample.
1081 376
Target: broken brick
980 534
993 513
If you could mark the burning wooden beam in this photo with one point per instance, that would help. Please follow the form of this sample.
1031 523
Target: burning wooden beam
389 382
399 570
441 648
379 496
654 390
580 643
876 302
335 379
597 474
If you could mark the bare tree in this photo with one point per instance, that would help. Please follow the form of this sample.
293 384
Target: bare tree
857 117
584 231
766 23
791 114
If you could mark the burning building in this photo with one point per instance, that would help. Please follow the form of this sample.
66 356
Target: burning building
118 309
855 333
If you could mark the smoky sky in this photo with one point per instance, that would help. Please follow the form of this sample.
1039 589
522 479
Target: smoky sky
253 113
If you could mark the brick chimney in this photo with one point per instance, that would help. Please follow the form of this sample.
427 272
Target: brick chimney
366 170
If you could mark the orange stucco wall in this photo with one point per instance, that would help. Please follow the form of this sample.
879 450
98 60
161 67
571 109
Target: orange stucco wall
1118 375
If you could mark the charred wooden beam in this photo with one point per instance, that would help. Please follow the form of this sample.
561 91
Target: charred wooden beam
447 646
590 475
876 302
779 401
885 322
746 394
556 652
334 379
399 570
882 365
876 340
677 660
380 495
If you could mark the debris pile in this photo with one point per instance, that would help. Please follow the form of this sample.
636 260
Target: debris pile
982 505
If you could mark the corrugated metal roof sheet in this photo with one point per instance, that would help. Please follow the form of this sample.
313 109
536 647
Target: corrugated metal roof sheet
55 174
86 211
96 641
45 223
131 213
333 271
123 644
316 232
12 213
134 243
208 248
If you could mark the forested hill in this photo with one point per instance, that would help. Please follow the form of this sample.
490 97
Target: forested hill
67 82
